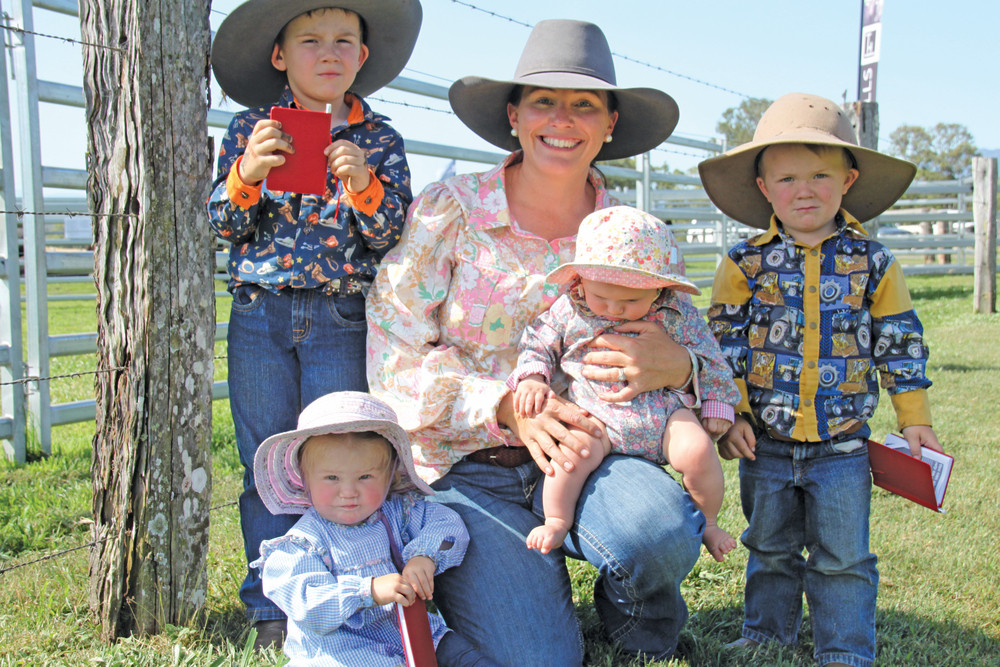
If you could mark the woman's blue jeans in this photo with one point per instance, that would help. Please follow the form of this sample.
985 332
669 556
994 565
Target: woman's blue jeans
285 350
633 522
814 497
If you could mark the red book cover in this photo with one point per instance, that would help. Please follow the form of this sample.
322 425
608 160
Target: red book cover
415 628
305 170
895 470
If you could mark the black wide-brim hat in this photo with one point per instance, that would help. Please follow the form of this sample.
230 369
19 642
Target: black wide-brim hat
241 51
730 179
574 55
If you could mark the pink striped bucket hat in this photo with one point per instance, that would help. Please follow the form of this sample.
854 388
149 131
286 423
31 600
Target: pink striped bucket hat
276 468
622 245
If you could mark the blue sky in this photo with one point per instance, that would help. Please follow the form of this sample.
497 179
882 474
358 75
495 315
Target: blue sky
938 62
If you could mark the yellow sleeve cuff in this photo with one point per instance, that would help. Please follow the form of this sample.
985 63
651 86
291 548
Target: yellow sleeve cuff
913 408
240 193
368 200
744 405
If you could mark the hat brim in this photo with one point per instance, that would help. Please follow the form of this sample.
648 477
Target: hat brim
278 476
730 180
241 51
569 272
646 116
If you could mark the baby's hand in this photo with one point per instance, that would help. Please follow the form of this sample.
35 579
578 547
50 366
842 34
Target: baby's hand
349 164
392 588
419 573
530 396
716 427
264 151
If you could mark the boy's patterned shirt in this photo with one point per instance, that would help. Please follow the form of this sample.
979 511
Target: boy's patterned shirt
287 239
805 330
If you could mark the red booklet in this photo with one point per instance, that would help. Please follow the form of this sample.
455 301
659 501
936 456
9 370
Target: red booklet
305 170
415 628
923 480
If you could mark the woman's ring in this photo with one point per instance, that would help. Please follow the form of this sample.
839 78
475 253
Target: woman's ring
621 374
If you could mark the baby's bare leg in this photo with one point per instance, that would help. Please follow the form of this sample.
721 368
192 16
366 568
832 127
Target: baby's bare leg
690 451
559 497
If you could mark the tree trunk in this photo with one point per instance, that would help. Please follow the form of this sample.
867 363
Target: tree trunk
145 78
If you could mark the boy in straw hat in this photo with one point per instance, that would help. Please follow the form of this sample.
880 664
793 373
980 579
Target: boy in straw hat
807 313
300 265
348 471
626 269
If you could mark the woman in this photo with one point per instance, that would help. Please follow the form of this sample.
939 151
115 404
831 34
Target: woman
445 315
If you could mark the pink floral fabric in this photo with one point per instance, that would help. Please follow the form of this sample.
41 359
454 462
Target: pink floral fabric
447 309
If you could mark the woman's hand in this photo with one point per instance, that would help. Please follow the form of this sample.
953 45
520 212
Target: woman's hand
651 360
560 424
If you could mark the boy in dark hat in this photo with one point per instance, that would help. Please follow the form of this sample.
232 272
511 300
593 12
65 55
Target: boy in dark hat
300 264
808 313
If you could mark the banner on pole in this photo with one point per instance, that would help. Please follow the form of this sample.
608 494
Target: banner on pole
871 46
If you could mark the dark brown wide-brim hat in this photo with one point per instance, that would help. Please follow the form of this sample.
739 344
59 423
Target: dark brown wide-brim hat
798 118
574 55
241 51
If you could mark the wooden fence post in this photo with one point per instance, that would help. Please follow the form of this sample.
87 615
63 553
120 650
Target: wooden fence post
984 210
145 79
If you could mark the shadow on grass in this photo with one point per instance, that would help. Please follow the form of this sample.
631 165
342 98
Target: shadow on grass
901 639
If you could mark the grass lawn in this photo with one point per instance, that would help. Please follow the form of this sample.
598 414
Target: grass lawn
939 598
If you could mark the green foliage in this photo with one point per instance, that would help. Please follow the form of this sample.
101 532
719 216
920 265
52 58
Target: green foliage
939 577
738 123
943 152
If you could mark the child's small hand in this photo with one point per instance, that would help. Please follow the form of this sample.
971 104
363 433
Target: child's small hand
349 164
739 441
392 588
419 573
264 151
530 396
921 436
716 427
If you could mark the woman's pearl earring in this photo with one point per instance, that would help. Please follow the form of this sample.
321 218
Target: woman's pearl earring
513 132
607 139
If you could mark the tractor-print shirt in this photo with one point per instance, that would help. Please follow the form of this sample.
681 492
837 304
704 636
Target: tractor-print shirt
288 239
806 328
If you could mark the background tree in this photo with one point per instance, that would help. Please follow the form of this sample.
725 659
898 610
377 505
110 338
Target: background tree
738 123
943 152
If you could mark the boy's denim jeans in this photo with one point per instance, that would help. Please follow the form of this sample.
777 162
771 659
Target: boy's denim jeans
633 522
285 350
815 497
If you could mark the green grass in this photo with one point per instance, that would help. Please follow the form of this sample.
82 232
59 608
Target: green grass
939 599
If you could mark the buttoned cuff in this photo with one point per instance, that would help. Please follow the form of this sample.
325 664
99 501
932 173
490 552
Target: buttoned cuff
240 193
912 408
712 409
365 592
368 200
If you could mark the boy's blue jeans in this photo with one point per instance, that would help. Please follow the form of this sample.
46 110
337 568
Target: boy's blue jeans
285 351
814 497
633 522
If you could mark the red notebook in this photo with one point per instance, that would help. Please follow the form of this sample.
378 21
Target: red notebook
305 170
415 628
922 481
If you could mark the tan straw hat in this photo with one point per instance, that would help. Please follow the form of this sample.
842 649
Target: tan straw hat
276 468
565 54
241 50
624 246
797 118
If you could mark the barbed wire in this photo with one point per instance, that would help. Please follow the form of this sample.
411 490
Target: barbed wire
88 545
614 53
412 106
69 214
61 39
37 378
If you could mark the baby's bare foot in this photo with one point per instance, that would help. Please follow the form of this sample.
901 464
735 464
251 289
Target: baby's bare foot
548 536
718 542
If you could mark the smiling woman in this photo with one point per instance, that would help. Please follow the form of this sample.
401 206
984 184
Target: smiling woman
445 314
